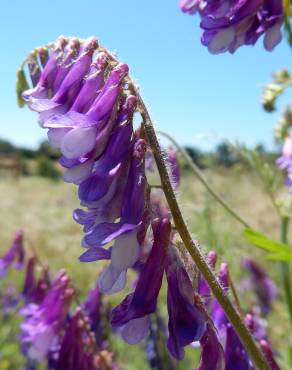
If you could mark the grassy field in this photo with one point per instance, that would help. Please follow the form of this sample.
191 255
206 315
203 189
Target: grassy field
43 210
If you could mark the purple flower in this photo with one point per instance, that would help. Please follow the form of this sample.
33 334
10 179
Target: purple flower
235 354
68 86
174 166
77 134
9 300
229 24
43 322
15 255
92 307
187 322
264 287
77 347
203 287
48 74
131 316
29 281
34 290
266 348
126 247
212 357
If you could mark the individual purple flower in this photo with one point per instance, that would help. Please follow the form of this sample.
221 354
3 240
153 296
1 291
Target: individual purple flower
263 286
29 280
218 315
174 166
229 24
41 90
268 352
212 357
203 287
187 322
131 316
15 255
256 325
34 290
77 346
43 323
235 354
97 313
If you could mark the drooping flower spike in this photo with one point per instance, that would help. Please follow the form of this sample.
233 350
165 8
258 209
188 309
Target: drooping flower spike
227 25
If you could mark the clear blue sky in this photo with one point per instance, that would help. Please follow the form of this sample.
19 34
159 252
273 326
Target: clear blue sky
189 91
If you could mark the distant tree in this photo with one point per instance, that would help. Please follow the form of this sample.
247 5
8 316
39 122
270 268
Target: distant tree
6 147
225 155
196 155
47 168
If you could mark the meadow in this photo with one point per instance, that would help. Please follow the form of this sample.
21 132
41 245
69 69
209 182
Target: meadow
43 208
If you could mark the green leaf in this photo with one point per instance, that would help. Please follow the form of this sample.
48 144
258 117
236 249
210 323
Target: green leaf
21 86
261 241
280 256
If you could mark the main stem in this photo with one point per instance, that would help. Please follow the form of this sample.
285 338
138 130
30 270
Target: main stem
204 181
193 247
285 268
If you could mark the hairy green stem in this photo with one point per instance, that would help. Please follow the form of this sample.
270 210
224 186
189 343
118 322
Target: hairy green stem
193 247
285 268
204 181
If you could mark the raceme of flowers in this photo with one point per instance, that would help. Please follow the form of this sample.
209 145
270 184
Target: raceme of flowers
86 101
50 331
229 24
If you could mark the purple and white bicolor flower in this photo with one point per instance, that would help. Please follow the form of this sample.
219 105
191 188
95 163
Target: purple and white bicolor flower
229 24
15 255
77 133
131 316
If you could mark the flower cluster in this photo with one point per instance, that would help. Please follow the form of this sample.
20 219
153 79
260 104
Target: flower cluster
88 111
49 331
229 24
87 105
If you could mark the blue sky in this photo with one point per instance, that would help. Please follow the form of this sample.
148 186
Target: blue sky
191 94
